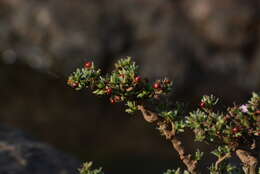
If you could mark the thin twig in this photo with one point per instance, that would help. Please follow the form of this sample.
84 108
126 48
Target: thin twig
221 159
167 128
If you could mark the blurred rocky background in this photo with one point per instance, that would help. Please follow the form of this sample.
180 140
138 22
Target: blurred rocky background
205 46
20 154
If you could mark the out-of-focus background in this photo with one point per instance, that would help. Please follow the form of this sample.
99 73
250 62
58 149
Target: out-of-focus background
205 46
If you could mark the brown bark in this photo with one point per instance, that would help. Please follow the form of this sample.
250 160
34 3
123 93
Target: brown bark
186 158
250 162
167 128
221 159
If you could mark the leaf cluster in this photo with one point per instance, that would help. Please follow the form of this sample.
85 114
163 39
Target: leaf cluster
237 126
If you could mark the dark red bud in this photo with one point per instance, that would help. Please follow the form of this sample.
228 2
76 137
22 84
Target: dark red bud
138 79
157 86
112 101
235 130
74 85
117 98
202 104
109 90
88 65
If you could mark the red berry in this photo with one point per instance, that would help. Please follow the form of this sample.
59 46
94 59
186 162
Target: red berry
202 104
138 79
109 90
117 98
74 85
112 101
157 86
235 130
88 65
257 112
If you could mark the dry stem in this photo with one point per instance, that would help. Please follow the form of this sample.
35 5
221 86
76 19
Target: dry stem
168 131
221 159
249 161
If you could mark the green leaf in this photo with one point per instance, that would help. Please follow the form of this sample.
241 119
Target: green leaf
198 155
99 92
87 169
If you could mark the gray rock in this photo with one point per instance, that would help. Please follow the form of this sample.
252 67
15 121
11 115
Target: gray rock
19 154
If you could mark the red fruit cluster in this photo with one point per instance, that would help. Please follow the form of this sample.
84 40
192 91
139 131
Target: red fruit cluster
157 86
115 99
74 85
235 130
112 100
202 104
109 91
257 112
88 65
138 79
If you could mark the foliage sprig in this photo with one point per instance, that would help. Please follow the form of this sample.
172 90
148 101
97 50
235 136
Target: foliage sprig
233 130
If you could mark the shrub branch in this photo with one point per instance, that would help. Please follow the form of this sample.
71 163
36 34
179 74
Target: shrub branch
249 161
167 129
238 126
